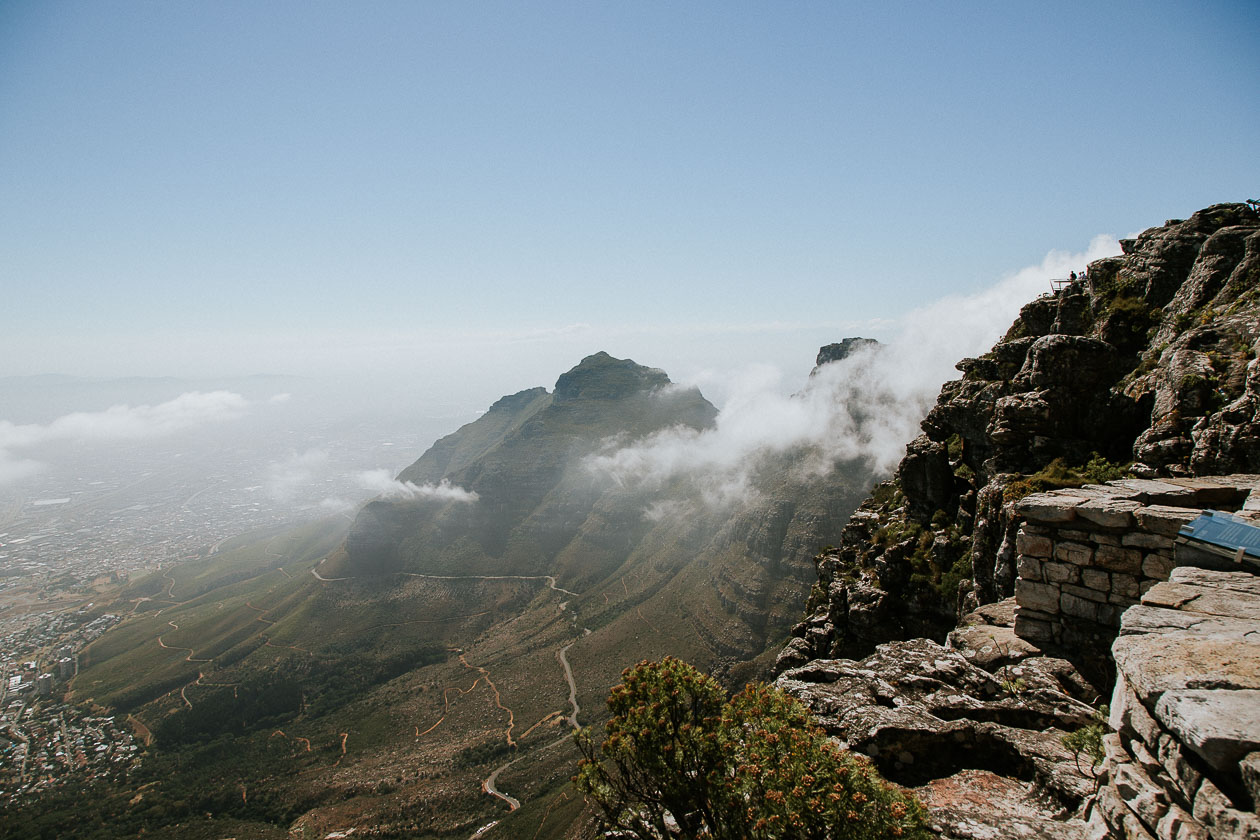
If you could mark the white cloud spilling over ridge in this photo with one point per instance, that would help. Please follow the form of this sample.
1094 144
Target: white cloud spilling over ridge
380 482
117 423
865 407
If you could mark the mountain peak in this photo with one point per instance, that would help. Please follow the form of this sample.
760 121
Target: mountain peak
600 376
836 352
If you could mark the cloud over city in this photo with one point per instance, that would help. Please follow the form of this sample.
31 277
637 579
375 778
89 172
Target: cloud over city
117 423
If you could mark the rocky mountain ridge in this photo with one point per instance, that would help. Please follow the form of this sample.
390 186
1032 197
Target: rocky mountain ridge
1144 366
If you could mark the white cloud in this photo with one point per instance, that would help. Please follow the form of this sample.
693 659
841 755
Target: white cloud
14 469
866 406
380 482
280 398
119 422
285 479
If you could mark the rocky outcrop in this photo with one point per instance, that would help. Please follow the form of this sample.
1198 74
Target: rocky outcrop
841 350
1144 370
991 707
1147 363
1182 760
974 725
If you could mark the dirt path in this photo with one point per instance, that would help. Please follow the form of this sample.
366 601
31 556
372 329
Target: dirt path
551 581
189 657
140 729
446 705
563 797
568 676
320 577
498 700
639 611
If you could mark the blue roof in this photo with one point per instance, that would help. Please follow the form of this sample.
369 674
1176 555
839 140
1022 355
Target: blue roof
1224 530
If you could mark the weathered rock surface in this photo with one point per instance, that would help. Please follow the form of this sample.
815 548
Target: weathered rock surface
1152 357
1186 709
929 715
980 805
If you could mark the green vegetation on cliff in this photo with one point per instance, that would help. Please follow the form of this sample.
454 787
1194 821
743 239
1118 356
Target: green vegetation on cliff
680 759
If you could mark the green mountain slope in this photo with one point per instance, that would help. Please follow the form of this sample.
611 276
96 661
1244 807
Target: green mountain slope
391 672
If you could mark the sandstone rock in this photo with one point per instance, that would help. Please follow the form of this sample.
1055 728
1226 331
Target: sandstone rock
1142 796
1184 774
948 714
1033 546
981 805
1157 566
1157 663
1138 539
1224 822
1242 582
1163 520
1205 600
1178 824
1127 560
1152 619
1038 596
1250 769
1108 513
1220 726
1048 508
1119 817
1128 715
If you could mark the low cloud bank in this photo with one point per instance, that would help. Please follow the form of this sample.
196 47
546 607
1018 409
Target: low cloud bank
382 483
286 479
865 407
117 423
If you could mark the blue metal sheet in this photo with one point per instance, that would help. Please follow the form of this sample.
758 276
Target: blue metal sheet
1224 530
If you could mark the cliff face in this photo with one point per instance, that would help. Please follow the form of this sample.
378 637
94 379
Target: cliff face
1145 365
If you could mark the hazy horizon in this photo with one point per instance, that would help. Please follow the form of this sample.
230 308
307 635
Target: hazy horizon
414 209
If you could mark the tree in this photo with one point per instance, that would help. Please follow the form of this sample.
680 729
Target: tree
681 760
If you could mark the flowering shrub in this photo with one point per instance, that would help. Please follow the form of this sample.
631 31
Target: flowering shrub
679 759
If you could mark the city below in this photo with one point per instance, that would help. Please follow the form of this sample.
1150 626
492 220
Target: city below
75 534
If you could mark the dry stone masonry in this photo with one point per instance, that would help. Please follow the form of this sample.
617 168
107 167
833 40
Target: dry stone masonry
1087 554
1106 562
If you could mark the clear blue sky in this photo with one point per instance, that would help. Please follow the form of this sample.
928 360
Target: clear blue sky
238 187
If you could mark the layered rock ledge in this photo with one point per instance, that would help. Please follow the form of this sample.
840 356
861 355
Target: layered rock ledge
1184 759
976 724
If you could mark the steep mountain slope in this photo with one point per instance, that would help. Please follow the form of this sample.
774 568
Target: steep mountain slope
421 676
524 460
1147 363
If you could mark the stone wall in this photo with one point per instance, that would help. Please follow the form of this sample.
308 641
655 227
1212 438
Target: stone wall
1086 554
1101 572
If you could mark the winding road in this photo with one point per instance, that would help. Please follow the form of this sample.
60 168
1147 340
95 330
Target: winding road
490 783
551 581
191 651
